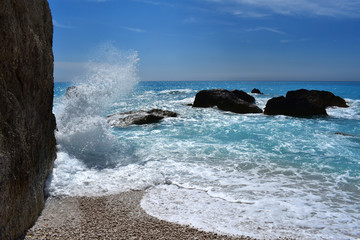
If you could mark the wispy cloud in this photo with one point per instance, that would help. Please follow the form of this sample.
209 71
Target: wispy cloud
294 40
137 30
189 20
260 8
156 3
57 24
248 14
267 29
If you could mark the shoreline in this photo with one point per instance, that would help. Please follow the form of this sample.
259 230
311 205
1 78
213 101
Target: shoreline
117 216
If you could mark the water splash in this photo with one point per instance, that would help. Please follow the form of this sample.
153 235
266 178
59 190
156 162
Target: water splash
82 128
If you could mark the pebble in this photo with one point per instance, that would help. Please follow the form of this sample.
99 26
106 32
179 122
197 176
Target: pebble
110 217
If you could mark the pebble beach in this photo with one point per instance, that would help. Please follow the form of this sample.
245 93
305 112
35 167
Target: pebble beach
109 217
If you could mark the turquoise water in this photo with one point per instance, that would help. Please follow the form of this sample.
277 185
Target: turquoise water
251 174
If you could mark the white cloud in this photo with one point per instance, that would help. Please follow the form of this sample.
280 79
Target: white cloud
294 40
250 14
189 20
137 30
267 29
56 24
259 8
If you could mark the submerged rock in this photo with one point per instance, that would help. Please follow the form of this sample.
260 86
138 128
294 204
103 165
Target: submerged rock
257 91
27 141
344 134
139 117
71 91
303 103
235 101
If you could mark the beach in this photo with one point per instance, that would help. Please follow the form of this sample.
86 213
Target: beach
109 217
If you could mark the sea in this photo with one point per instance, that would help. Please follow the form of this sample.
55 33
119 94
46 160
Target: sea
261 176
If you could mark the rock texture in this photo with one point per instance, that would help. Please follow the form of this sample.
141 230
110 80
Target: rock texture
300 107
320 98
139 117
235 101
303 103
27 142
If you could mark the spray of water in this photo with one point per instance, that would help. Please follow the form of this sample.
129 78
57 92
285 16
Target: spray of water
82 128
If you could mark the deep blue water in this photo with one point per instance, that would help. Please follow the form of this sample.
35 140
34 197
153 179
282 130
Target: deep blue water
251 174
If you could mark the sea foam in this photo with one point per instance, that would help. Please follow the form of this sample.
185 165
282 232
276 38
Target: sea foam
85 140
257 175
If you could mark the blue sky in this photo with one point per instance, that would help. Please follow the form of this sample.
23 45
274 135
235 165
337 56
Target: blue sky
214 39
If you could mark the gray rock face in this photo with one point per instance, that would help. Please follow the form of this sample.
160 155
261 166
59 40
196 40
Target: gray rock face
235 101
27 141
139 117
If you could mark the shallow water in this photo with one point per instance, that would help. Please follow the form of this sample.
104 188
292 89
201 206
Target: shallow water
251 174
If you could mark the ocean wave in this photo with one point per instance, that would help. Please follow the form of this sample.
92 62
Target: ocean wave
177 91
252 174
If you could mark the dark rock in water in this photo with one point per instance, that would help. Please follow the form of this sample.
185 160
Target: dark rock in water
244 96
139 117
71 92
321 98
234 101
147 119
257 91
303 103
344 134
300 107
27 141
164 113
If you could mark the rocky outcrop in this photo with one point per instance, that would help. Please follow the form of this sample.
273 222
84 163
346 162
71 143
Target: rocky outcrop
139 117
256 91
244 96
320 98
27 141
295 107
303 103
235 101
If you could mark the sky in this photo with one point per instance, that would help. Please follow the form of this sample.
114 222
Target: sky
206 40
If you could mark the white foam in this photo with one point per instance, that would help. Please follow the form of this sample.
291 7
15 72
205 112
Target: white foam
264 218
351 113
82 131
250 174
177 91
72 177
188 100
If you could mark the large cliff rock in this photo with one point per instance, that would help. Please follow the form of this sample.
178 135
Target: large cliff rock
27 141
